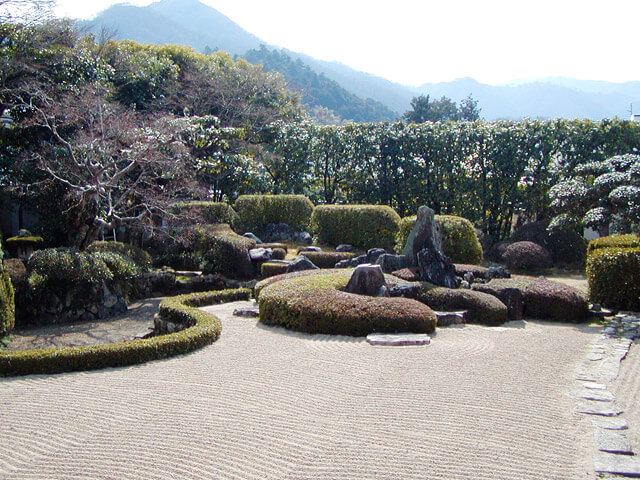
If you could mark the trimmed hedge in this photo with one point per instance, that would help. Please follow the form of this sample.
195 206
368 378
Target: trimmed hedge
481 307
363 226
526 256
136 254
257 211
618 241
257 289
614 277
205 330
314 304
459 240
270 269
545 299
208 212
327 259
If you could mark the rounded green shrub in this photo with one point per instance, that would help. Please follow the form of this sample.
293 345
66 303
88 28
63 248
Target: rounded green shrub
257 211
207 212
363 226
614 277
278 253
315 304
566 247
138 255
183 309
481 307
269 269
327 259
459 240
285 276
7 300
66 266
617 241
526 256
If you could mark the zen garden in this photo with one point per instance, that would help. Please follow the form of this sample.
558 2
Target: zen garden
267 297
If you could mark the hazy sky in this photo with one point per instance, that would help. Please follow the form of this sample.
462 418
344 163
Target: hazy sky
416 42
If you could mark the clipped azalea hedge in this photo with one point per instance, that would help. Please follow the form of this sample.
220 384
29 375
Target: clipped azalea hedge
363 226
459 239
614 241
614 277
315 304
181 309
257 211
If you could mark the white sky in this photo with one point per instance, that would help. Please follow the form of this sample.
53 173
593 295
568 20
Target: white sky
416 42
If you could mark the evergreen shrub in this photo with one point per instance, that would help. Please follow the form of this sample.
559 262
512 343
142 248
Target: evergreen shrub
257 211
138 255
327 259
363 226
614 277
481 307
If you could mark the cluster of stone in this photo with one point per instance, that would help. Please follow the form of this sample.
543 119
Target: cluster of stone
614 453
280 232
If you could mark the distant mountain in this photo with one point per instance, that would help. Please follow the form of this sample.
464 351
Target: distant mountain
548 98
189 22
318 90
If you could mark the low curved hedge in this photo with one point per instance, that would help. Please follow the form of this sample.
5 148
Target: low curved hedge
614 277
482 308
459 240
205 330
257 211
363 226
315 304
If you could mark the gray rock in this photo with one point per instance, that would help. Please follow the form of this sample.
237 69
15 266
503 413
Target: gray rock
344 248
424 234
398 339
496 272
373 254
612 442
596 395
246 312
617 464
605 409
511 297
278 232
260 254
304 238
309 249
301 263
436 268
451 318
609 423
252 237
406 290
390 263
468 277
367 280
465 284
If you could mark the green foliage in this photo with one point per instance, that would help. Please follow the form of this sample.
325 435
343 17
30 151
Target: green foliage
614 241
7 303
481 307
67 266
209 212
205 330
327 259
459 240
613 276
425 110
363 226
269 269
257 211
314 304
138 255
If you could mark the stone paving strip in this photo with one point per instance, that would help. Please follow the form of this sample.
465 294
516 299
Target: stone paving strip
599 370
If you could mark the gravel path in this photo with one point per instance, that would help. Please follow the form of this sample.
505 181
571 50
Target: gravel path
264 403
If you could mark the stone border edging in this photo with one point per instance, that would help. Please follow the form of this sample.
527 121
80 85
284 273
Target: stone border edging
205 330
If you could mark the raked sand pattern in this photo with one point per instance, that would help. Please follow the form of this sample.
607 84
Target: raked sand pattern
264 403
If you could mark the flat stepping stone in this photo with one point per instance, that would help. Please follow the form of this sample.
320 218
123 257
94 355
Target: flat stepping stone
605 409
617 464
596 395
398 339
609 423
612 442
246 312
594 386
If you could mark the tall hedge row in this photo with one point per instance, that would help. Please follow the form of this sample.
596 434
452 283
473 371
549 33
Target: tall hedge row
613 277
363 226
257 211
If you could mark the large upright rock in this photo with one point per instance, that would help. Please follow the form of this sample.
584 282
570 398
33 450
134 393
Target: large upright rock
424 234
436 268
368 280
